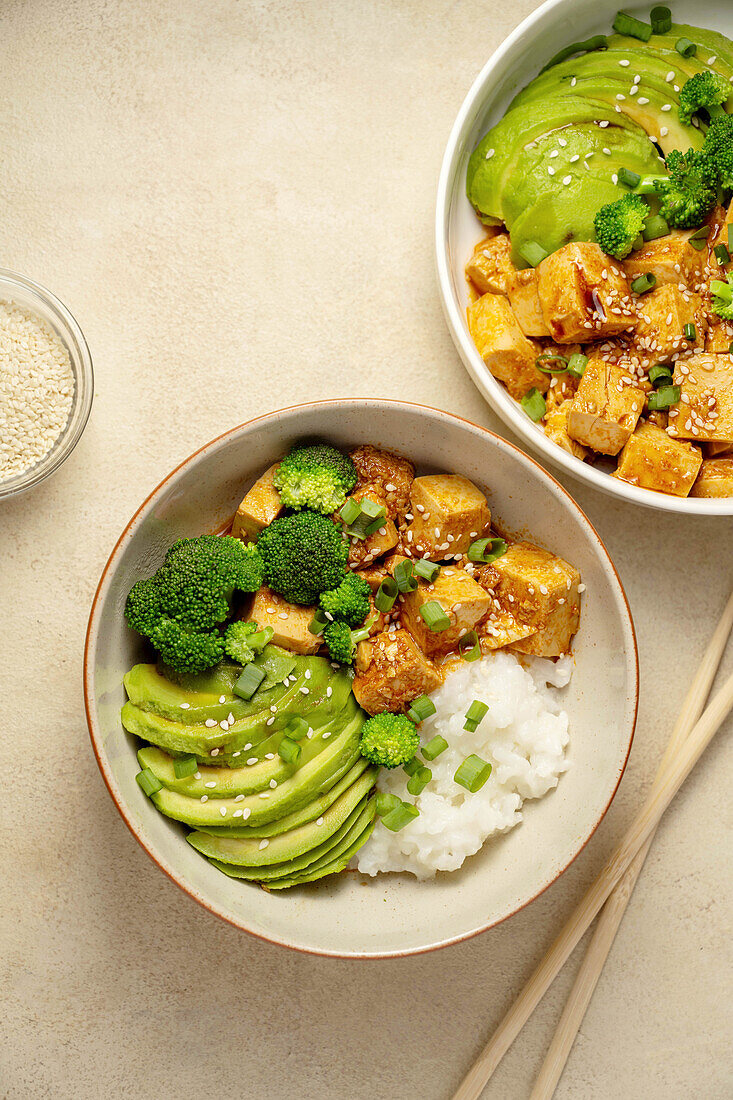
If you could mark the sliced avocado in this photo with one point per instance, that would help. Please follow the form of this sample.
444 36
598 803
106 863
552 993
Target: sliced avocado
148 689
314 809
318 851
711 44
318 774
285 846
336 864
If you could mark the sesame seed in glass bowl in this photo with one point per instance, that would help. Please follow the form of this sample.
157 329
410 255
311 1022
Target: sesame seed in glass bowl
46 383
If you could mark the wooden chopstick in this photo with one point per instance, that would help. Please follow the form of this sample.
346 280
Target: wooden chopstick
614 909
635 837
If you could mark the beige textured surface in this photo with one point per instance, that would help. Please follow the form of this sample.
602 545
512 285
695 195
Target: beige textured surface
235 199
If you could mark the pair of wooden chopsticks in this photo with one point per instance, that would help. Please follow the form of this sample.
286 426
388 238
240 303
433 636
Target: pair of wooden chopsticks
693 731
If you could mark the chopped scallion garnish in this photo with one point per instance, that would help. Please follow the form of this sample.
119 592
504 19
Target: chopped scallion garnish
664 397
420 709
723 254
643 283
654 227
473 773
404 576
148 781
350 511
417 782
722 290
699 239
685 47
411 766
486 550
249 681
400 816
289 751
386 594
690 332
577 364
634 28
660 374
532 252
318 623
469 646
185 766
434 747
296 728
628 178
549 363
428 570
534 404
434 616
661 19
475 714
386 802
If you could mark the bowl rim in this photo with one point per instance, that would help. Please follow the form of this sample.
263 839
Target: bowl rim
475 102
66 325
632 662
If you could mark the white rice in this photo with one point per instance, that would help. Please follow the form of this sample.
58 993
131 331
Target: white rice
523 736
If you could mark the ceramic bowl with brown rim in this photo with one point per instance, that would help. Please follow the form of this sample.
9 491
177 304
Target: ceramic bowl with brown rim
350 914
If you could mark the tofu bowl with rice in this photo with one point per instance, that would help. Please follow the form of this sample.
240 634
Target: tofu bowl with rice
366 668
596 296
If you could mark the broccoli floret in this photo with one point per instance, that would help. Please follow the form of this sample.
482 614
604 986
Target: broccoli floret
722 298
349 603
708 90
719 148
619 223
243 641
342 641
689 192
316 476
180 608
389 740
303 554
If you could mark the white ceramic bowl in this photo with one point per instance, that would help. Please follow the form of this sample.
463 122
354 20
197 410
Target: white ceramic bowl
391 915
457 230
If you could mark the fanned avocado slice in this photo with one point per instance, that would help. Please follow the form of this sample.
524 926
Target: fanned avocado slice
286 846
336 863
318 774
711 44
355 820
314 809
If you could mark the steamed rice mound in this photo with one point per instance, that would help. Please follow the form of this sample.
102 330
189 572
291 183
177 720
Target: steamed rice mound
523 736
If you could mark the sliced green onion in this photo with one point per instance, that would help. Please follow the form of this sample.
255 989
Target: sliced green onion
296 728
642 283
655 227
577 364
184 766
404 576
730 237
350 511
289 751
428 570
249 681
486 550
260 638
685 47
386 802
417 783
411 766
660 374
722 290
473 773
475 714
420 709
534 404
661 19
318 623
664 397
469 646
634 28
690 332
373 512
434 747
551 364
722 253
148 781
399 817
434 616
532 252
699 238
597 42
628 178
386 594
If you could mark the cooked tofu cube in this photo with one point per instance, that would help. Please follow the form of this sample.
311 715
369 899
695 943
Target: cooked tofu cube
259 508
501 629
373 575
715 478
653 460
663 314
491 267
555 426
449 513
391 671
391 473
507 352
465 602
584 294
540 590
671 259
289 621
604 411
719 335
525 301
705 410
715 450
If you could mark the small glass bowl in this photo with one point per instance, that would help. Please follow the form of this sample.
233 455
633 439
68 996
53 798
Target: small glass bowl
36 299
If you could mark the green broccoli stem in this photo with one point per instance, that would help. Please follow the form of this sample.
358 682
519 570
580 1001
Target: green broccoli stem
649 184
715 110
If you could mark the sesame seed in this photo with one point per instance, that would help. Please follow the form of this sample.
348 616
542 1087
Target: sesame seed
489 155
210 722
210 783
185 706
273 783
252 760
581 588
319 821
263 844
204 798
239 798
214 752
223 811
